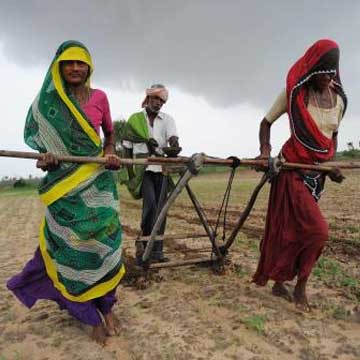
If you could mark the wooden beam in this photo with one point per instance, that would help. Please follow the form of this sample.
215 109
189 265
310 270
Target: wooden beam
181 263
326 167
167 237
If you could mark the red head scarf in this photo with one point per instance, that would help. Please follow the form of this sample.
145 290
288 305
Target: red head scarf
307 143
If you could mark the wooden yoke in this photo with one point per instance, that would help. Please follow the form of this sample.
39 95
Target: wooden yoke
325 167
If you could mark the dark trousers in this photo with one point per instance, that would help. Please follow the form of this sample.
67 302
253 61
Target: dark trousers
152 204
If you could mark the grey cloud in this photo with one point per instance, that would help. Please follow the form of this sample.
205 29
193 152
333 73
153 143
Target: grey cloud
226 51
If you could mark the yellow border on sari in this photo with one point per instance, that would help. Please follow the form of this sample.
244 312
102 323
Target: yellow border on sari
87 170
77 53
95 292
69 183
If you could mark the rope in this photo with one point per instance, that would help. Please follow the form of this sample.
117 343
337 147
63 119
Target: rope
225 204
218 267
236 163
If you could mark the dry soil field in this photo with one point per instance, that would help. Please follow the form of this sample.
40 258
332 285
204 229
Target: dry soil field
191 313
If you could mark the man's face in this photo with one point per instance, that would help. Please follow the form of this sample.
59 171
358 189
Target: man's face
155 103
74 72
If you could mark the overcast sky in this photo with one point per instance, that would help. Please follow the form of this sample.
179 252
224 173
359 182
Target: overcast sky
224 62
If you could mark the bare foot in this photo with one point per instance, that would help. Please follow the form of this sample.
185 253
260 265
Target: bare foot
280 290
301 300
113 327
99 335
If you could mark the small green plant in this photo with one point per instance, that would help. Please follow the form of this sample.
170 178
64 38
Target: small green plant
330 270
349 282
327 268
339 313
354 229
331 273
254 245
255 322
239 270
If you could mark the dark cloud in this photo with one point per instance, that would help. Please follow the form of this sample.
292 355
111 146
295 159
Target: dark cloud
226 51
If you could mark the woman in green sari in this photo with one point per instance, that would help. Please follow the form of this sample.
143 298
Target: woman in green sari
78 262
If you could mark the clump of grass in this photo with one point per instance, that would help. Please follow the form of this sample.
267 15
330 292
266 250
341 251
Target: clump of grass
349 281
239 270
330 271
339 313
354 229
254 246
255 322
332 274
327 269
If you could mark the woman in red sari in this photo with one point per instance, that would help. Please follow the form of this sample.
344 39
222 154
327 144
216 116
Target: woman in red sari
296 231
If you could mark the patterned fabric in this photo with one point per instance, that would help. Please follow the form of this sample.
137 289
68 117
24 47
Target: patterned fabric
80 236
307 143
137 131
315 183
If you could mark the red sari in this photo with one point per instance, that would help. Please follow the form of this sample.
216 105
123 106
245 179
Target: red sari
296 231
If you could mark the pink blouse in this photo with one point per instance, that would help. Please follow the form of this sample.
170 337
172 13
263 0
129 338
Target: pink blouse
97 110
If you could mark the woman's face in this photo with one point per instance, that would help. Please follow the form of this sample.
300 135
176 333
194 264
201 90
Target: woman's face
329 62
74 72
322 81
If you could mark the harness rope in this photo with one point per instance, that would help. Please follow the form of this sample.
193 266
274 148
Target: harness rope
224 205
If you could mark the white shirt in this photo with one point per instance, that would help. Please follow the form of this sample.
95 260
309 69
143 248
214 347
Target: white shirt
163 129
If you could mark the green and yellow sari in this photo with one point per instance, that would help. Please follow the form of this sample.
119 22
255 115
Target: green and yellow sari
80 235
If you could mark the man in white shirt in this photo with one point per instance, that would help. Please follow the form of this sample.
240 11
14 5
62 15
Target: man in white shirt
148 132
